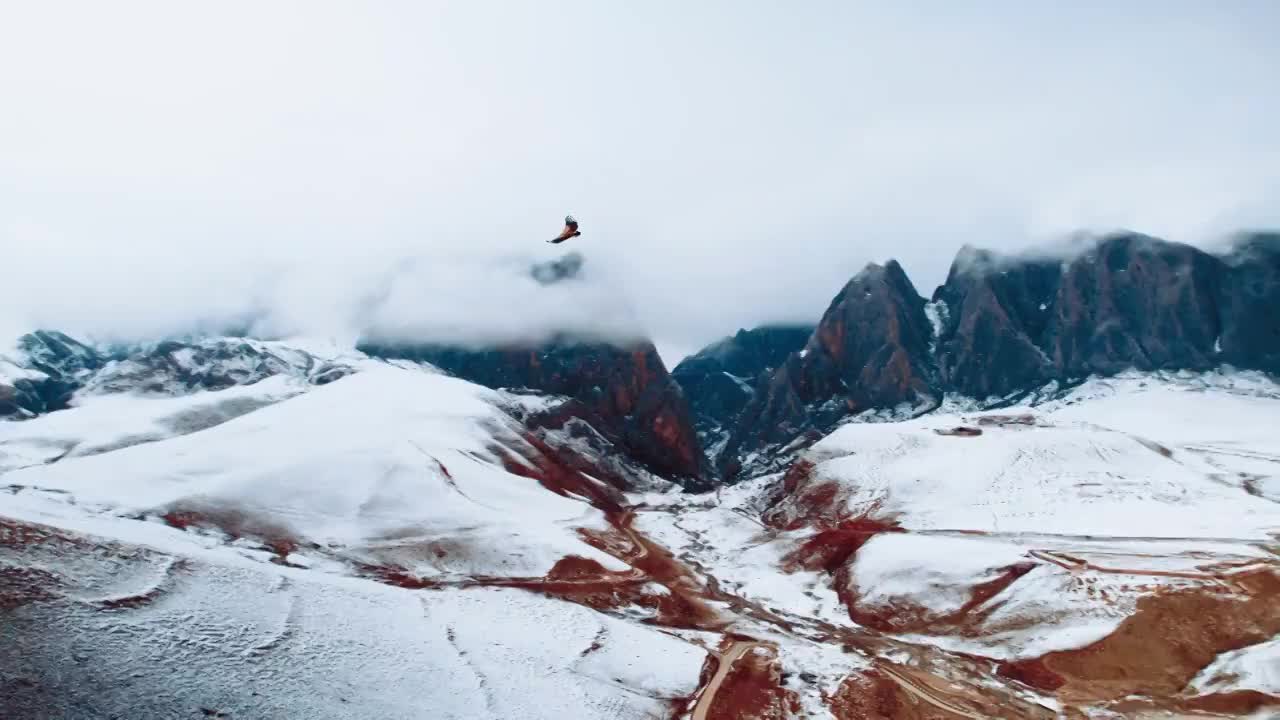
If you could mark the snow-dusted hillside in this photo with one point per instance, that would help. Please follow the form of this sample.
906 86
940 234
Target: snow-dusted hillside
1103 548
240 551
389 541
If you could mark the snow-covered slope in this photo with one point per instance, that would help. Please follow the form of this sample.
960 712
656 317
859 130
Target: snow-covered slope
1068 473
240 553
390 463
1108 544
106 422
393 542
120 630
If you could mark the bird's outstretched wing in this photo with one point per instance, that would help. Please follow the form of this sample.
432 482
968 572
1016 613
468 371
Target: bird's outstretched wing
570 228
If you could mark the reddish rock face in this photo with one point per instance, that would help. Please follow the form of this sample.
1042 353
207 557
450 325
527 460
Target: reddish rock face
871 350
624 393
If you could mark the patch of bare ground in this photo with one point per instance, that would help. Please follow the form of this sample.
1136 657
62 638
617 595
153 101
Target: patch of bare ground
682 707
22 586
1172 635
14 534
558 472
38 574
802 500
749 688
895 692
1025 419
959 431
234 522
831 548
873 695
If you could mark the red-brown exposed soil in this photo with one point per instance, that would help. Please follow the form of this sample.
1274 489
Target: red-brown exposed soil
1172 635
557 475
872 695
17 534
892 692
752 688
236 523
574 567
787 512
833 548
20 586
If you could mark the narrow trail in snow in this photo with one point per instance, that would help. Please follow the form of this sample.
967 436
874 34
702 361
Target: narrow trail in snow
1075 564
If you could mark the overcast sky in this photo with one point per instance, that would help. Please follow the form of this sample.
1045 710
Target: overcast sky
731 163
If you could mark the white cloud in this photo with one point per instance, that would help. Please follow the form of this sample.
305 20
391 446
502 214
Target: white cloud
731 163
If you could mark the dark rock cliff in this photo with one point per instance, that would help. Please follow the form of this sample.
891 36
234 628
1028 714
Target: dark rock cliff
1249 303
625 393
991 313
1134 302
721 379
1001 327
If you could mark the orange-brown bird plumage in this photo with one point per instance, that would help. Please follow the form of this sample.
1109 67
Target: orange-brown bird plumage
570 230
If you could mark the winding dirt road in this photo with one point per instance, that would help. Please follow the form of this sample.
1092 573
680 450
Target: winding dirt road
727 659
922 693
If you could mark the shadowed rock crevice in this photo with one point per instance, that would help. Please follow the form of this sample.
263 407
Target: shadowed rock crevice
723 378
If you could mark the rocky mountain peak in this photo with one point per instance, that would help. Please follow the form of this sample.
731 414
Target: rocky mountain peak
870 350
1001 326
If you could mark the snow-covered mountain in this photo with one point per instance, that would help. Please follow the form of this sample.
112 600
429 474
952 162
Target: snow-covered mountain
240 528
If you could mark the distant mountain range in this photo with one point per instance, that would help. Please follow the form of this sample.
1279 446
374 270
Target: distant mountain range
1001 328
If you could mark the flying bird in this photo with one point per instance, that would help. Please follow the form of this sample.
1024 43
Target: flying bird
570 230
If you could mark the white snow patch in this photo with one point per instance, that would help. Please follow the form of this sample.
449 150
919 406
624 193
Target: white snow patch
101 423
935 573
1072 478
1256 667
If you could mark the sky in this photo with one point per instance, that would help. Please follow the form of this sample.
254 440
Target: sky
330 167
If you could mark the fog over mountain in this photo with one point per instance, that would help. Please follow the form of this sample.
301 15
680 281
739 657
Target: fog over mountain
168 166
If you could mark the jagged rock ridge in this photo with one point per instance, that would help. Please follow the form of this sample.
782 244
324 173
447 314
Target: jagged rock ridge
870 350
1001 327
